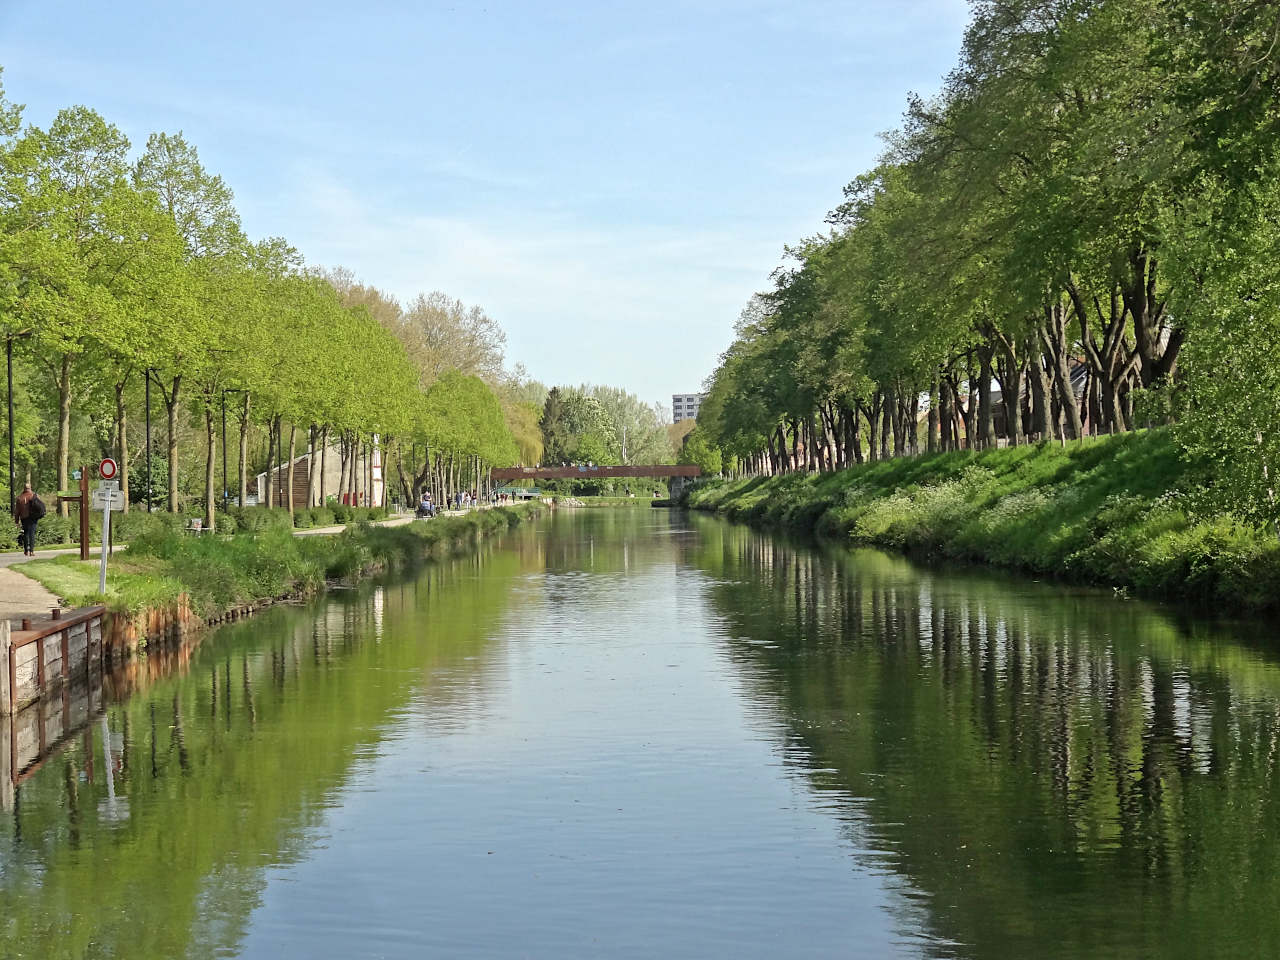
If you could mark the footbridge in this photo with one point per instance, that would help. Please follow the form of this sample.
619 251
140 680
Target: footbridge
678 474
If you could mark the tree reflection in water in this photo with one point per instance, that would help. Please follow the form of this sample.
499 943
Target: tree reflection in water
1057 773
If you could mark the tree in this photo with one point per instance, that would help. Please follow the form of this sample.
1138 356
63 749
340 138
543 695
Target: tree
200 206
80 250
697 449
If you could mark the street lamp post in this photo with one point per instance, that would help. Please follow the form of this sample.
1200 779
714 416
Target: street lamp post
225 498
8 349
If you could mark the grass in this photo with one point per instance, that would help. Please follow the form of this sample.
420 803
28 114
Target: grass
219 574
1128 511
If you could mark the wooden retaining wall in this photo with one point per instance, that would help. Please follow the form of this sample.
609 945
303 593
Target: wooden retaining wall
49 672
40 658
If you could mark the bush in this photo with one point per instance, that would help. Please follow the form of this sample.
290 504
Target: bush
1127 510
127 527
258 519
55 529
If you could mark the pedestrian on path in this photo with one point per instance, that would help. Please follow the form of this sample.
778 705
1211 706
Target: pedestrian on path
28 511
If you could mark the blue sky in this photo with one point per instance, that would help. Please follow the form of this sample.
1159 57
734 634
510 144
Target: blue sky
611 182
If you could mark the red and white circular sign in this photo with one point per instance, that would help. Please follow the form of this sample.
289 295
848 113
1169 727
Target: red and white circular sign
107 469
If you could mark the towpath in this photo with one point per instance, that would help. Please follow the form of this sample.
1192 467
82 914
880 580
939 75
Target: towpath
21 596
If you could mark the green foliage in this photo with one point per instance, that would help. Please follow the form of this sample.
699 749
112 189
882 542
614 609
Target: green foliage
222 573
1084 218
699 450
112 268
1127 511
576 428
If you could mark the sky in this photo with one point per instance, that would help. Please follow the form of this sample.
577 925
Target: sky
610 181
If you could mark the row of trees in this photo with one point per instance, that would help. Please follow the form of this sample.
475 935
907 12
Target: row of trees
1078 235
124 276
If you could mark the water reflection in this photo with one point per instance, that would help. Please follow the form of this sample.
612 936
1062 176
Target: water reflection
1055 773
221 759
634 734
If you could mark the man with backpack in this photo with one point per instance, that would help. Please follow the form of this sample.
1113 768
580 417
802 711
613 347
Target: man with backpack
28 511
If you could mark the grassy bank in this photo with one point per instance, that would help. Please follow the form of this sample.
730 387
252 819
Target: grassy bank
226 573
1127 511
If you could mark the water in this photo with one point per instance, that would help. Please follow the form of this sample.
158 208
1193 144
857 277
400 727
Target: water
637 734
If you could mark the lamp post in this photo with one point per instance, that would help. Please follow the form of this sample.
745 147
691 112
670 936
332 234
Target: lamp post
148 380
225 498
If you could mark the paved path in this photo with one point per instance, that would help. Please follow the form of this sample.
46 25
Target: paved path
22 597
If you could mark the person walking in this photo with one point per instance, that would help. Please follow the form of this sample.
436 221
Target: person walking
28 511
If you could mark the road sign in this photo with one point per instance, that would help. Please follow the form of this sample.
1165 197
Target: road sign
107 469
107 499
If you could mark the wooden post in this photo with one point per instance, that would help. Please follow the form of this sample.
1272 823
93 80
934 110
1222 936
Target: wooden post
6 673
84 513
6 763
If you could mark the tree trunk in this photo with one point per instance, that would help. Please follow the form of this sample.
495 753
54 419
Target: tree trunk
122 440
886 424
1157 346
324 458
271 439
244 452
313 478
873 427
986 433
1040 423
64 431
293 449
934 421
1054 334
171 408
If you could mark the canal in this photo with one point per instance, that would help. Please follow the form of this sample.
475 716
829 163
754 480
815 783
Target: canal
634 733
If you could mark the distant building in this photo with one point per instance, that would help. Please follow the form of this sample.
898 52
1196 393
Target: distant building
684 406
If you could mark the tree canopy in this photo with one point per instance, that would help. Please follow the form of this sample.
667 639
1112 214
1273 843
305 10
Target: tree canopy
1077 235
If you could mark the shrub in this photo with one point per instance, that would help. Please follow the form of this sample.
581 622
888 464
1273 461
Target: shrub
258 519
55 529
1128 510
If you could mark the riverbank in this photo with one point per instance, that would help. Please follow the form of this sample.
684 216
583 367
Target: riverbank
1126 511
168 579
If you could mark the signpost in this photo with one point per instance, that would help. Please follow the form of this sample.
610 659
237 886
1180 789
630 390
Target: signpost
82 499
107 496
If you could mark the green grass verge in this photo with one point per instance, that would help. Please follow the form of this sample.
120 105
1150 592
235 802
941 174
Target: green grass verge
1128 511
223 573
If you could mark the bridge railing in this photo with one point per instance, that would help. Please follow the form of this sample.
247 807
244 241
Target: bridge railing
597 472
